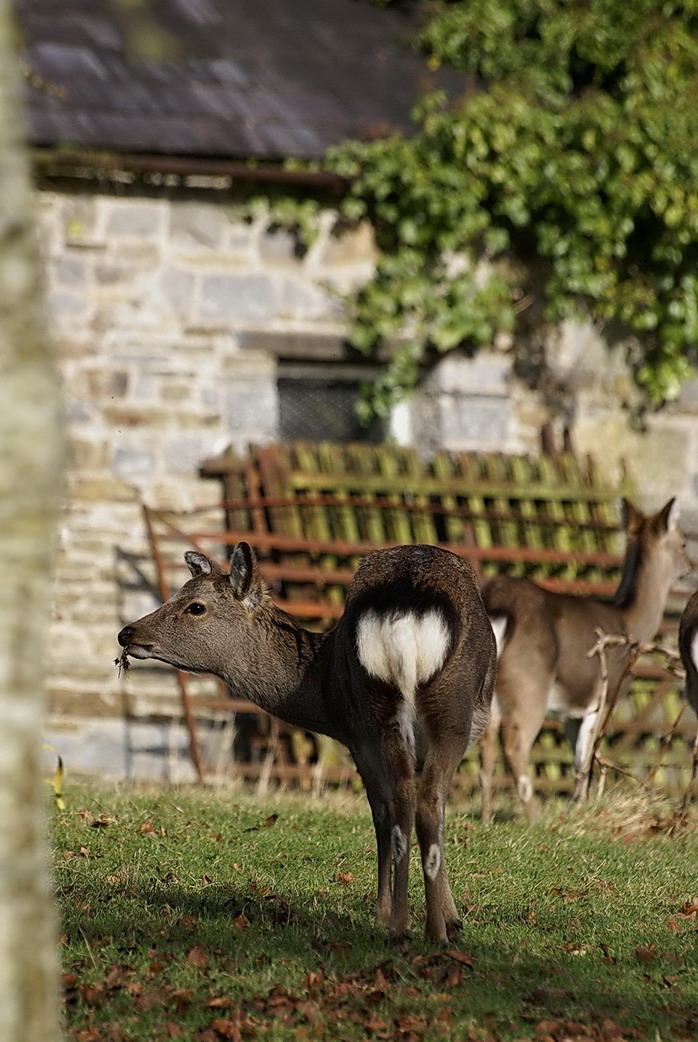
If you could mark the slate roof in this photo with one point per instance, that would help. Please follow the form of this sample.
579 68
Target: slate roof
267 79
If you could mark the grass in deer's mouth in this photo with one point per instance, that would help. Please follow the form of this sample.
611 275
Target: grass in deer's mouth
212 915
122 661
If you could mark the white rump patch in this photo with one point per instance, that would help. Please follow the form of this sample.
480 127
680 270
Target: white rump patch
432 862
402 649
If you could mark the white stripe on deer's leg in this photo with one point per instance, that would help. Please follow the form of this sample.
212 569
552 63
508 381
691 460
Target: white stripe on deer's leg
432 862
584 740
406 721
398 844
525 788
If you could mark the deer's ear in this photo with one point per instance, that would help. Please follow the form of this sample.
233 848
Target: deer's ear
200 564
668 516
632 517
245 578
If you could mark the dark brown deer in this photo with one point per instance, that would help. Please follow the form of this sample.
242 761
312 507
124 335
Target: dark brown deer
543 640
405 681
688 649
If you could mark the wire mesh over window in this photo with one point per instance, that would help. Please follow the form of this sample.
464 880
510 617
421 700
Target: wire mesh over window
319 404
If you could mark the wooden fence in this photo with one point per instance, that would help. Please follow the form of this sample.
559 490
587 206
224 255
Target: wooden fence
312 509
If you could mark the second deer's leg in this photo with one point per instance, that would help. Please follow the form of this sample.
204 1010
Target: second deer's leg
519 730
488 758
581 734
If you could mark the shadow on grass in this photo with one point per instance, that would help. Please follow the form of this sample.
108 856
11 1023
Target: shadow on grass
506 985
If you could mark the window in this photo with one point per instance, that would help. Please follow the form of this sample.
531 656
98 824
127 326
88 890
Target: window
317 403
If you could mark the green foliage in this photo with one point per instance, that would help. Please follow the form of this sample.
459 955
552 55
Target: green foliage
564 182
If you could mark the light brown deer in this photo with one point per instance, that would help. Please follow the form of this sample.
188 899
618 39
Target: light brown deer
405 681
688 649
543 640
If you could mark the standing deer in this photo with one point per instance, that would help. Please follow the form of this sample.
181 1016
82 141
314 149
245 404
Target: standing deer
543 640
688 649
405 680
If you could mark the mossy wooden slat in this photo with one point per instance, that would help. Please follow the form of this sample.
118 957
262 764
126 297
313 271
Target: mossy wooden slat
365 480
373 482
390 463
317 518
235 491
561 534
342 517
525 475
605 510
505 528
253 483
336 520
316 522
424 526
274 464
581 513
456 528
469 470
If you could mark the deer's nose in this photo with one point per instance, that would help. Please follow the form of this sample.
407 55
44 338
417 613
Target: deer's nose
124 637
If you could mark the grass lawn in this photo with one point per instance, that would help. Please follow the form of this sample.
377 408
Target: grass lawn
212 915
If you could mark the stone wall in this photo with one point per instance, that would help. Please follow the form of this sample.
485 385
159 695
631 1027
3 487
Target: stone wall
154 303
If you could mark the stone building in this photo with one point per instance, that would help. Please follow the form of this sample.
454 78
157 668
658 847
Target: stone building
183 326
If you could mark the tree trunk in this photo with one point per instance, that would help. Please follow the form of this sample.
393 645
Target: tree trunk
30 467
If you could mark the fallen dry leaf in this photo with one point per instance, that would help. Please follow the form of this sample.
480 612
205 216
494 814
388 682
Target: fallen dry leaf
227 1028
569 895
198 957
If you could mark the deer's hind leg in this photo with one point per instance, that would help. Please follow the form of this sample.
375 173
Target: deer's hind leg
488 757
448 738
439 766
388 776
523 700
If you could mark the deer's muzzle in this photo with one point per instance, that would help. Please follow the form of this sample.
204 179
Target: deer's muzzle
133 647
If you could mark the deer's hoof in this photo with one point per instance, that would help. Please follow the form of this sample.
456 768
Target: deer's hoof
453 929
398 937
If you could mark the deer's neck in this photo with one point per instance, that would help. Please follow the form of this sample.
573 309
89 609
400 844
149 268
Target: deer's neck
644 605
288 679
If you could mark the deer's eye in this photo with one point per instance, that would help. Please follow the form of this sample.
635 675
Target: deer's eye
195 608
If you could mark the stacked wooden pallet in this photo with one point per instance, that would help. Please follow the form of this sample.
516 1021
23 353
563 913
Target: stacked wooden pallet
311 510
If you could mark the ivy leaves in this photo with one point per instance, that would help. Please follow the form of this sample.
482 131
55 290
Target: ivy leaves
570 179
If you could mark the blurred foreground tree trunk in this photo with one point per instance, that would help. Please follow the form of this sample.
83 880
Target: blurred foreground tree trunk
30 469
